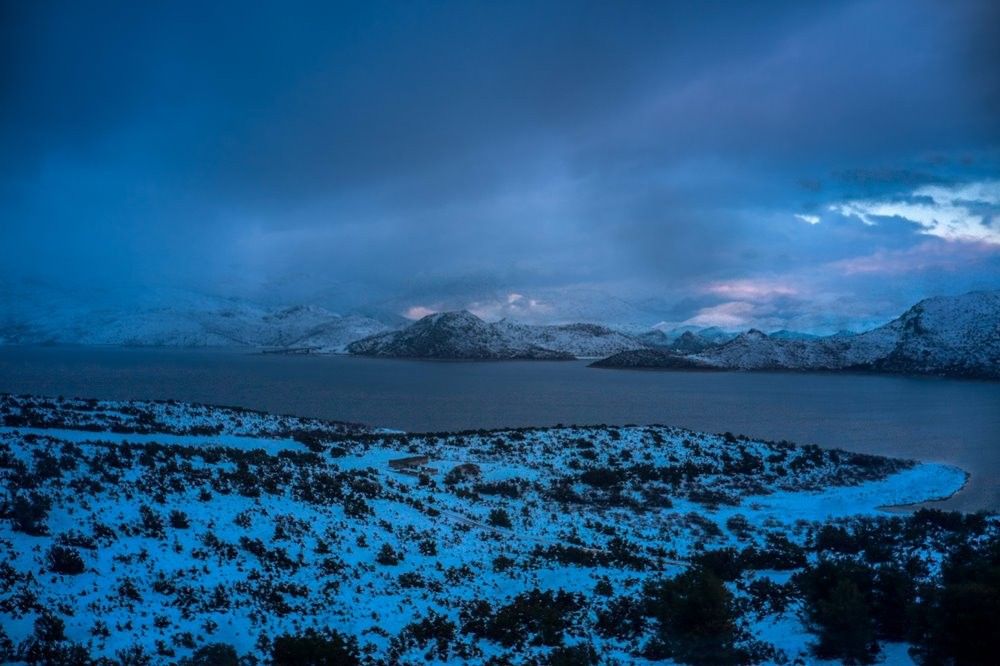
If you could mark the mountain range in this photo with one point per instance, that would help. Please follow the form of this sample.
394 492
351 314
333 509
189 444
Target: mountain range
956 336
172 318
949 336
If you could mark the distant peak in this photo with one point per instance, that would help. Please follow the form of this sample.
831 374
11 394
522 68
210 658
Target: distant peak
451 316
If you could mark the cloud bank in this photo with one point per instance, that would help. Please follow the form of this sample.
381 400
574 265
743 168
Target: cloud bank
816 165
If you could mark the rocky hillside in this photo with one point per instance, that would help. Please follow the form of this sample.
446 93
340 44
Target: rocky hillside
462 335
653 358
950 336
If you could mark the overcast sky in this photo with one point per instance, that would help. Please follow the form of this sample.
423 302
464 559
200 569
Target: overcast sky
804 164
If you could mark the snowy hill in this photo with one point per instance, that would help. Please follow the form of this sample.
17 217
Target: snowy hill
174 318
711 334
462 335
953 336
153 532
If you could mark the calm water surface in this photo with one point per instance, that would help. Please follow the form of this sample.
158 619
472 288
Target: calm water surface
951 421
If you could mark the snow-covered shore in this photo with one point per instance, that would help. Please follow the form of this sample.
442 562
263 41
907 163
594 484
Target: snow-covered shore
216 525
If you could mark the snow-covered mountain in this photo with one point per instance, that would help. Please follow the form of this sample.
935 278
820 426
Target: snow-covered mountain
955 336
177 319
462 335
688 342
712 334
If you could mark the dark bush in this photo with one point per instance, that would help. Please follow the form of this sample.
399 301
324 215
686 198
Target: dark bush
499 518
213 654
696 619
388 556
581 654
179 521
602 477
725 564
837 610
28 513
958 622
313 648
534 617
65 560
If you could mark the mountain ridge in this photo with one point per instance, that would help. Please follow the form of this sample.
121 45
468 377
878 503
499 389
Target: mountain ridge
956 336
463 335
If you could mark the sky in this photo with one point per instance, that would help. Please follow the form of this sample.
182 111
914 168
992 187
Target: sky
816 166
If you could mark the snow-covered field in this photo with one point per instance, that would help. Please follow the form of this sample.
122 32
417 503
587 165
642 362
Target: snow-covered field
196 525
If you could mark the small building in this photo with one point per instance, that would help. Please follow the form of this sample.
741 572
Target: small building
409 463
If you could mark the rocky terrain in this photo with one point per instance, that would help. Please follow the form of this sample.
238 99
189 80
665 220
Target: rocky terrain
462 335
161 532
654 359
953 336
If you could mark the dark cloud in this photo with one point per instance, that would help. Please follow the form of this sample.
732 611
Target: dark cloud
457 152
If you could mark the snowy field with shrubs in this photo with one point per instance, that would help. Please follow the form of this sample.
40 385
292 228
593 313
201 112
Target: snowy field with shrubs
162 532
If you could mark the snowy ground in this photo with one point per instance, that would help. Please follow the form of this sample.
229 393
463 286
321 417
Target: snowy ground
199 524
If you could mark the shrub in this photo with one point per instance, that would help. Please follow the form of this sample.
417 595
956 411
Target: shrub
313 648
845 626
958 621
581 654
696 618
462 472
502 563
65 560
837 610
49 628
179 521
726 564
602 477
28 513
151 524
499 518
388 556
428 547
534 617
433 628
213 654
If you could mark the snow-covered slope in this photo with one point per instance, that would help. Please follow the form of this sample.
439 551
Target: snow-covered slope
146 532
335 334
954 336
174 318
580 340
462 335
